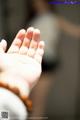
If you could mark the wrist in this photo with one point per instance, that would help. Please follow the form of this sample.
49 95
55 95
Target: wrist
15 81
18 86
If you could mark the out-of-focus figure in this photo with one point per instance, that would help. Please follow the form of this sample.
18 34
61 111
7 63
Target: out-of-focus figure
50 25
47 22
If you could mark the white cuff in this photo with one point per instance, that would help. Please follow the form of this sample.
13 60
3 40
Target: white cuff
11 103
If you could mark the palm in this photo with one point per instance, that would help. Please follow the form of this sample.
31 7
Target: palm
21 66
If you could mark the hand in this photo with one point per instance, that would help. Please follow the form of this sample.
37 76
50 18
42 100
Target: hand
21 66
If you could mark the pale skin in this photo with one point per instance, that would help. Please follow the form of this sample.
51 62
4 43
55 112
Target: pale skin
20 66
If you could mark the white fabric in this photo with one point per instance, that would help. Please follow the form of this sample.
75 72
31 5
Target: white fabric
12 104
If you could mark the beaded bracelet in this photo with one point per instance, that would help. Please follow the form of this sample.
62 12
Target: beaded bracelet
27 102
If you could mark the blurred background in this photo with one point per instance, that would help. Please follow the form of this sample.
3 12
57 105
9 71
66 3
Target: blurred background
57 95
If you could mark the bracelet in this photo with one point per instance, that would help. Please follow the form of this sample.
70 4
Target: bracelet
27 102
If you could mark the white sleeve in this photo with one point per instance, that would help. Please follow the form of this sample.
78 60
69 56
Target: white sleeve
12 104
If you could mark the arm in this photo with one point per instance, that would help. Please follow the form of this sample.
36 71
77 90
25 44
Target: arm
21 65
